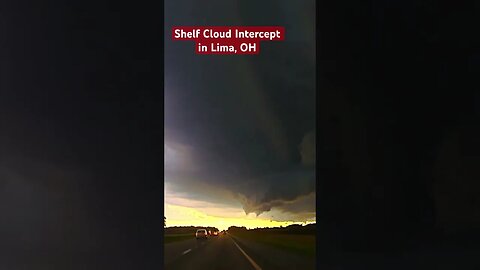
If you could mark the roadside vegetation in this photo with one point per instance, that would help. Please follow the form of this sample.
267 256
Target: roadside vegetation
294 238
169 238
181 233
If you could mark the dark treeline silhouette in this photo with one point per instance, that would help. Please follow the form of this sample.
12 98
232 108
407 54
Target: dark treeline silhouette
291 229
186 229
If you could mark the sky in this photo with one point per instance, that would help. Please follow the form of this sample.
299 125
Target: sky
240 130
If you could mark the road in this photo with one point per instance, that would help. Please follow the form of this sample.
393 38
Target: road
228 253
216 253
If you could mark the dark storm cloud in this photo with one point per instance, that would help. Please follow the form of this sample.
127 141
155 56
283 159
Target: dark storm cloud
278 190
307 149
303 205
242 124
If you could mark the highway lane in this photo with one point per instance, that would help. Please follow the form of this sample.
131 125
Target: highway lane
174 250
216 253
274 258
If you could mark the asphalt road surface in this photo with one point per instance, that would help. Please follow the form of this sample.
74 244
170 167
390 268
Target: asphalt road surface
227 252
216 253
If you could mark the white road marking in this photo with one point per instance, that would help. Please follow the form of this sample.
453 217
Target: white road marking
255 265
186 251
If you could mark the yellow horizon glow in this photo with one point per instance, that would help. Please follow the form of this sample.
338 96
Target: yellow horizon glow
185 216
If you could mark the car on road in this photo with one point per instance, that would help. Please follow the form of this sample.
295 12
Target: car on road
201 234
215 233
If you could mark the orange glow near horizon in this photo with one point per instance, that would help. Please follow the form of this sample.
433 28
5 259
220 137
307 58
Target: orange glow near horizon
185 216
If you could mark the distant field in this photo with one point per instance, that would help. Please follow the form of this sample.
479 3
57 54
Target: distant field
296 243
169 238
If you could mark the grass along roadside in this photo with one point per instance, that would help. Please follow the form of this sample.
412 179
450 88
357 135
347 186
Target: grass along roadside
295 243
169 238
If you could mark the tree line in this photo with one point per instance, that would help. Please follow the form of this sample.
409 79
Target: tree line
291 229
187 229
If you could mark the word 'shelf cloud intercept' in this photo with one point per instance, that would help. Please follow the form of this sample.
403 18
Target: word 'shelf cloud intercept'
228 39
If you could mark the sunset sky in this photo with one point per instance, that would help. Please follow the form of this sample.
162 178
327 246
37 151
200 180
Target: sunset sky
239 131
